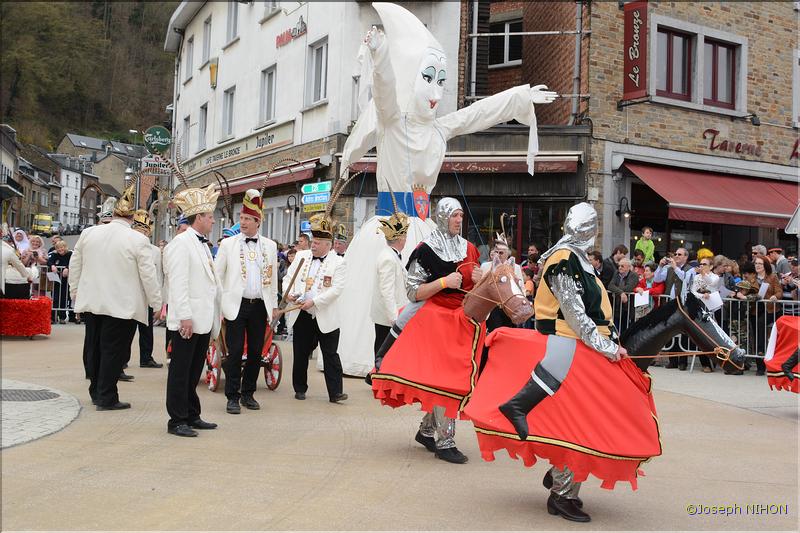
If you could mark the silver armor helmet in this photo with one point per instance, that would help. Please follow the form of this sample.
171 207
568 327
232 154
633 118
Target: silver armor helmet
444 210
580 227
580 230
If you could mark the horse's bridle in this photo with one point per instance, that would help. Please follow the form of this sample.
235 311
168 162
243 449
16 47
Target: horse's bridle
501 304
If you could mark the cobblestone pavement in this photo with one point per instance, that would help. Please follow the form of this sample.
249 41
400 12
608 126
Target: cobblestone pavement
313 465
25 417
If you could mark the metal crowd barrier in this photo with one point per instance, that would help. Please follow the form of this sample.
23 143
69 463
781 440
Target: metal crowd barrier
56 290
747 322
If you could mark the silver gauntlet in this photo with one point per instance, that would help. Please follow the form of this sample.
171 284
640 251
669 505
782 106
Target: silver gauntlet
568 293
416 277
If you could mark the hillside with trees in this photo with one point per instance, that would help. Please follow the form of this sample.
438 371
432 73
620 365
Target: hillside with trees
97 68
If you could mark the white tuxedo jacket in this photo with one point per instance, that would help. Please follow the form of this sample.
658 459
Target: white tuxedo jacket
194 288
389 294
326 306
111 272
229 271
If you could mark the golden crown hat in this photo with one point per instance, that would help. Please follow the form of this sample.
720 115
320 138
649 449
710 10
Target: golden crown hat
194 200
321 226
124 206
394 226
341 233
142 221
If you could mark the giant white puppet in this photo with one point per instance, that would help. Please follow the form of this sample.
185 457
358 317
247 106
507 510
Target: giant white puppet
409 72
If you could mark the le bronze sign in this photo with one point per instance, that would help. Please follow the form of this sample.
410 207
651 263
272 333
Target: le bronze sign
157 139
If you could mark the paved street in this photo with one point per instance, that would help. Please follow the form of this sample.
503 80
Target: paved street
315 465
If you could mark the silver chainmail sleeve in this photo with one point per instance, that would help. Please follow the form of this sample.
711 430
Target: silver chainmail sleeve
417 275
568 293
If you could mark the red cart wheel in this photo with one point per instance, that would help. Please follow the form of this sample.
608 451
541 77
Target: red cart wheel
273 367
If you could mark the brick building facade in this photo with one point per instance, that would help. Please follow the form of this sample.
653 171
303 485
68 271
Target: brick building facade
724 120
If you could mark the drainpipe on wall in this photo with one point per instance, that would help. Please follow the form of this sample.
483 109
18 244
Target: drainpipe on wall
474 51
576 69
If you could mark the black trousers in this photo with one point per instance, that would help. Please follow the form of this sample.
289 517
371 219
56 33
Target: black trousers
146 338
17 291
381 332
306 336
252 319
90 341
112 339
185 367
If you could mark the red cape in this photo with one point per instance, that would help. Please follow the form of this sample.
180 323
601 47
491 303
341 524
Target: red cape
787 342
601 421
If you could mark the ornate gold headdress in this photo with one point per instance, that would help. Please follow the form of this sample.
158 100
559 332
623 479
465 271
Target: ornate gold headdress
341 232
124 206
396 225
142 222
321 226
194 200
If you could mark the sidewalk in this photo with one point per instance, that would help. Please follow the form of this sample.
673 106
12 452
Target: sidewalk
313 465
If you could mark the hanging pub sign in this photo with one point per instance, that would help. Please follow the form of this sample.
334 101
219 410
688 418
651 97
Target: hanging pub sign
635 39
157 139
291 34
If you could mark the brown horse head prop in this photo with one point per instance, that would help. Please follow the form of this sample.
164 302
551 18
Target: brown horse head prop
498 287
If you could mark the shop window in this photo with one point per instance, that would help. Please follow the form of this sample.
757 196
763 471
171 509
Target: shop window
796 88
202 126
719 80
267 100
318 72
186 143
206 40
505 50
232 30
674 65
228 100
188 59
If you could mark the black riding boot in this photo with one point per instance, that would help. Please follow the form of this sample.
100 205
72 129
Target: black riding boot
517 408
384 349
789 365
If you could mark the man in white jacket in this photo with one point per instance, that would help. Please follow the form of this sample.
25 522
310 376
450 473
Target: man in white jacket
316 290
194 309
247 266
144 225
112 282
390 289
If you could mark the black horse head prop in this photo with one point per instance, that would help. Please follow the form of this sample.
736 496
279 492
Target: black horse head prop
649 335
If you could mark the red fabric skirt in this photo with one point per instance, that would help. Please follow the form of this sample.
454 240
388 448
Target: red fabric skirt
601 421
787 342
434 361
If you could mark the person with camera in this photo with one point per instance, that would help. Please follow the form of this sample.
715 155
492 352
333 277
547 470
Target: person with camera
675 272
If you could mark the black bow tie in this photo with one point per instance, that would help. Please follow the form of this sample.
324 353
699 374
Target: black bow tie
320 259
202 239
251 239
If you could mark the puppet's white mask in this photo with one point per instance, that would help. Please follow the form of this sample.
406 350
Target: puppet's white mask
429 83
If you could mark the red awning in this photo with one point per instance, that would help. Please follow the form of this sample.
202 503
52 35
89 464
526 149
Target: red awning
720 198
280 176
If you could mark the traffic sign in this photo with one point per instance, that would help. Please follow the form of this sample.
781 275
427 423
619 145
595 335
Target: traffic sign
316 198
305 225
311 208
311 188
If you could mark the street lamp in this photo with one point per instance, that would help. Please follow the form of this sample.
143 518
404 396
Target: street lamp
291 207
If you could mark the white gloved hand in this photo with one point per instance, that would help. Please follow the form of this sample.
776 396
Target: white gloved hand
374 38
540 95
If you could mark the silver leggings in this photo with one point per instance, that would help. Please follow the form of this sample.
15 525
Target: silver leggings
440 427
557 359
